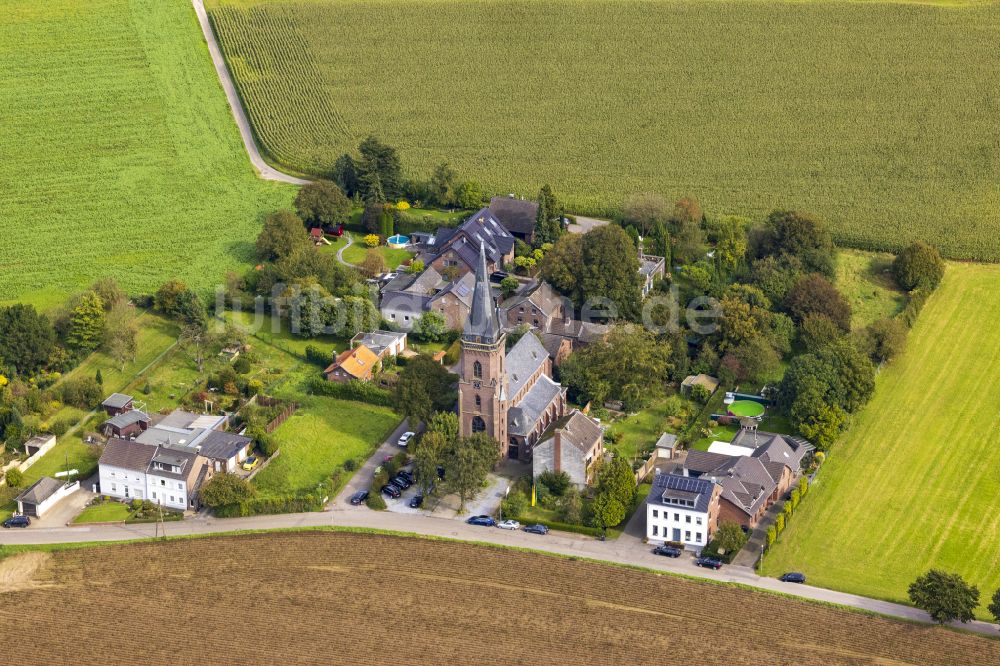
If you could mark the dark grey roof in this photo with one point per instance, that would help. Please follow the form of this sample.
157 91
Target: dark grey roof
40 490
516 215
698 491
523 361
480 230
127 455
775 448
701 462
116 401
463 289
576 429
542 296
126 419
182 458
522 417
218 445
483 325
552 343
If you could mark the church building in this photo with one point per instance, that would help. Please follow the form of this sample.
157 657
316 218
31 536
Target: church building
510 396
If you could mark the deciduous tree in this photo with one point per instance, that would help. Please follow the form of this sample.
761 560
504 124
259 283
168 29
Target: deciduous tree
945 596
918 266
26 338
283 233
322 203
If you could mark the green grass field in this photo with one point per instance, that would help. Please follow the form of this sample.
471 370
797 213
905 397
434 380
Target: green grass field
913 484
103 513
357 252
878 116
865 279
119 153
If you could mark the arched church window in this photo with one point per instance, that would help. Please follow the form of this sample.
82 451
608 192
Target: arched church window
477 370
478 424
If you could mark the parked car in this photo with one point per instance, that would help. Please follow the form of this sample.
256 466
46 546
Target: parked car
406 474
499 276
359 497
793 577
391 490
405 438
250 463
416 501
482 521
509 525
17 521
536 529
401 481
667 551
709 562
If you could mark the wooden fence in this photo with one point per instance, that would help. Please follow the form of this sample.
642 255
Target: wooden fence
281 418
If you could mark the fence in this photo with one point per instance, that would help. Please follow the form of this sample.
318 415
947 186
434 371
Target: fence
281 418
264 464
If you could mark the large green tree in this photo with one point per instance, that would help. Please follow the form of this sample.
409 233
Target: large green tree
323 203
561 266
794 234
283 233
424 386
630 365
467 463
945 596
918 266
609 269
815 295
225 489
548 221
27 338
85 329
379 162
646 211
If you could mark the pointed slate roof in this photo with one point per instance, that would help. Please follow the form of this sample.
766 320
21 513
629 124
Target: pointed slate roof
483 326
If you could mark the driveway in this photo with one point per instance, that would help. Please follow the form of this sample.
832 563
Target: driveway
585 224
363 477
66 509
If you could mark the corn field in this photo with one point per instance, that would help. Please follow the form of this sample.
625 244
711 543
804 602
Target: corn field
118 153
363 598
880 117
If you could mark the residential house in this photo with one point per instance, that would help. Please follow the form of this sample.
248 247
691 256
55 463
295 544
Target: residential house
457 249
518 216
359 363
574 444
551 313
169 476
710 383
454 302
651 269
203 434
682 509
117 403
509 395
42 495
558 347
381 343
406 297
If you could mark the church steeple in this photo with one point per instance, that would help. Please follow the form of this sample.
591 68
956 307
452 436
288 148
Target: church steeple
483 325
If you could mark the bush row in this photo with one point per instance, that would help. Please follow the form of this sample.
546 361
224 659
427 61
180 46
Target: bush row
268 505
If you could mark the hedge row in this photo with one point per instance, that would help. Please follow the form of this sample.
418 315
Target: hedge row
566 527
352 390
268 505
914 304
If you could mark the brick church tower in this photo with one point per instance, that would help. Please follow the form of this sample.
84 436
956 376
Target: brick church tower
482 399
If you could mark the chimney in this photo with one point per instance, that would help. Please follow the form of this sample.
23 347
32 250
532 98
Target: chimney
557 452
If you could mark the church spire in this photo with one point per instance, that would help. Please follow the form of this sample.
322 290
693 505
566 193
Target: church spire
483 326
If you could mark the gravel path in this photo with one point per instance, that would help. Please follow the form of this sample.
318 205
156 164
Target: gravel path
266 171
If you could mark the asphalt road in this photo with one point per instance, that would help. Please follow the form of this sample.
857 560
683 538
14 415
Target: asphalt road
266 171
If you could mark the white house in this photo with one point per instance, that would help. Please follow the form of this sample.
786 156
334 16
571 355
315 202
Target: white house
171 477
42 495
682 509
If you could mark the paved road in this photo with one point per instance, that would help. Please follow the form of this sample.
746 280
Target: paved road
625 550
266 171
585 224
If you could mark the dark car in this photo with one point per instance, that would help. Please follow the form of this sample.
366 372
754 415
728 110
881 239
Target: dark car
482 521
17 521
535 529
359 497
406 474
709 562
499 276
793 577
391 490
416 501
401 481
667 551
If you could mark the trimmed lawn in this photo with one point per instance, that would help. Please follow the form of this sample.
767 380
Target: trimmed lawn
274 332
103 513
865 279
358 250
71 448
323 434
641 430
913 484
719 434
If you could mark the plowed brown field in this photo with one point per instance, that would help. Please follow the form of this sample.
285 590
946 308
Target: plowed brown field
356 598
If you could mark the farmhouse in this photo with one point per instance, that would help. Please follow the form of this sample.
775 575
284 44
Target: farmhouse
510 396
457 248
574 444
683 509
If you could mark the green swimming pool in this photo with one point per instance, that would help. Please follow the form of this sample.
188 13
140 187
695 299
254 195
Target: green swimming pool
746 408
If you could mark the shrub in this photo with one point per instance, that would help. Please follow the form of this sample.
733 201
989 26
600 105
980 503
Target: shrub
352 390
918 266
779 523
375 501
803 486
514 505
700 394
796 496
224 490
372 240
350 465
772 535
556 482
317 357
14 477
242 365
